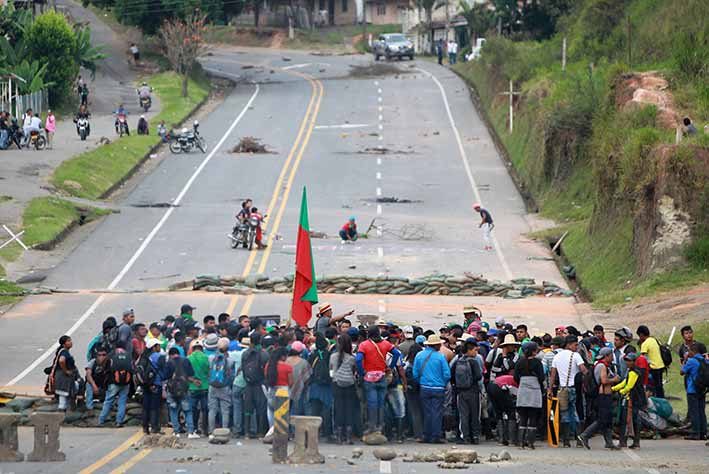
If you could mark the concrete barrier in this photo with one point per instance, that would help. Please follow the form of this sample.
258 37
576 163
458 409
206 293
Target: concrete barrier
46 437
306 440
9 447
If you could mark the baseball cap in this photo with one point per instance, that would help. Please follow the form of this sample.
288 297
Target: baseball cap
605 351
186 307
128 311
632 356
625 333
151 343
492 332
499 321
408 331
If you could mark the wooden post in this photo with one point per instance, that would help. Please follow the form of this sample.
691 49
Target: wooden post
563 55
630 58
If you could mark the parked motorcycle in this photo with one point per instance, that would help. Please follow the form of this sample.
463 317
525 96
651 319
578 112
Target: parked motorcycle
82 128
186 140
244 233
37 140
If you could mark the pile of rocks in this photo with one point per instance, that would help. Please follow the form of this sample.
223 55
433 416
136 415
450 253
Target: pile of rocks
80 417
436 284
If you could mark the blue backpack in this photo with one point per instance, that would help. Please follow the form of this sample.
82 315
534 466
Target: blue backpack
219 371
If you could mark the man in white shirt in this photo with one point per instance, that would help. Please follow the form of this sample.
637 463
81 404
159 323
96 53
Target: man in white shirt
566 364
452 52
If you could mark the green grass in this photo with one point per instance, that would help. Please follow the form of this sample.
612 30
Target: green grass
45 218
5 198
90 175
8 287
675 382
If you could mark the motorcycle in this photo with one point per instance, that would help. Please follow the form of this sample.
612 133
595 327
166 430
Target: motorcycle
37 140
244 233
145 103
122 125
82 127
186 141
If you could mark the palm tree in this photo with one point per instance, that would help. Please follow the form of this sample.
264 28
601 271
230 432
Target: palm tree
86 55
480 19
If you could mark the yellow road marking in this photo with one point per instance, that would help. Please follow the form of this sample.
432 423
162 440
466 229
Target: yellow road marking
113 454
125 467
277 188
286 193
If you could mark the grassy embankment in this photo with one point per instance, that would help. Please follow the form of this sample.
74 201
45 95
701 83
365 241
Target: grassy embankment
586 162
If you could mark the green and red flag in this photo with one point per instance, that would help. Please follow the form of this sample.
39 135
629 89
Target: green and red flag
305 289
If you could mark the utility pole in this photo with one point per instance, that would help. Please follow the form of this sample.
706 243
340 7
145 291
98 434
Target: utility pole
563 55
511 93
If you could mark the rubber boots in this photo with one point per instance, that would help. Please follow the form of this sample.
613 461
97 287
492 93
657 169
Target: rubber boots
636 440
371 420
523 437
502 432
608 438
348 435
564 435
512 424
401 435
531 436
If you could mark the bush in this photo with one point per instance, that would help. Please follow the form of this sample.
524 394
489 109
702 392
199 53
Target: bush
698 253
52 41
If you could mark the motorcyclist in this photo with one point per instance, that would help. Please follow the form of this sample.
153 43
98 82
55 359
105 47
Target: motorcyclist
144 93
243 215
84 93
121 111
84 113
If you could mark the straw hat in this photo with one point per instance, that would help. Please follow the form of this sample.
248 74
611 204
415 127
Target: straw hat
509 341
433 340
324 307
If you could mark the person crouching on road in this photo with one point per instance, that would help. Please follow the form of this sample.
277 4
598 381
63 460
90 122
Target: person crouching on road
432 372
634 400
486 224
348 233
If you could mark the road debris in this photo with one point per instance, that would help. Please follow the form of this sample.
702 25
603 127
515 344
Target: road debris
250 145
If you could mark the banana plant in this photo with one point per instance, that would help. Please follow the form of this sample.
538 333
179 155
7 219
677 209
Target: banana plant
32 73
87 55
12 55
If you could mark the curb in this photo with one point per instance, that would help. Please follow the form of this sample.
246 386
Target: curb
529 201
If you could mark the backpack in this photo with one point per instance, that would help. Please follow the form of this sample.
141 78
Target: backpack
122 367
144 371
219 372
411 383
463 374
701 382
178 385
665 353
321 367
110 340
590 385
251 366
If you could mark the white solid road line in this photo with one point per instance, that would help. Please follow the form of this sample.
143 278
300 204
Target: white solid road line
466 165
143 246
380 252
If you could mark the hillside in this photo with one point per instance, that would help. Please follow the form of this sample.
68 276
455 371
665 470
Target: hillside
595 145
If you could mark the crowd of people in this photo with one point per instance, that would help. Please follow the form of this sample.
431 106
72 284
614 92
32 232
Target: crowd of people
14 131
465 383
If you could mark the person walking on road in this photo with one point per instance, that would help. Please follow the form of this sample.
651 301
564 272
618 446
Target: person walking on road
633 400
604 380
439 51
486 224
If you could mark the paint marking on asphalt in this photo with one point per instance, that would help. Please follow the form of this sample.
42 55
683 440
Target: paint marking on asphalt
379 232
381 127
376 83
113 454
125 467
380 252
379 209
381 137
637 458
297 66
379 91
379 191
379 99
381 117
379 161
344 125
145 242
466 165
279 182
379 175
382 306
381 108
286 192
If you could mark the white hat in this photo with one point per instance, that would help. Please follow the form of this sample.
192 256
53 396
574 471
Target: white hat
151 343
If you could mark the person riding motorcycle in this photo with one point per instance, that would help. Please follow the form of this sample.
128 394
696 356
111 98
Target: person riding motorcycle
84 113
144 93
243 215
121 112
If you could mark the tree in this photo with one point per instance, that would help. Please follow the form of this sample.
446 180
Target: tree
479 17
51 40
183 43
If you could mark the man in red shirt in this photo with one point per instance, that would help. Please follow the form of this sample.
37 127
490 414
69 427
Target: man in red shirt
348 233
372 366
138 342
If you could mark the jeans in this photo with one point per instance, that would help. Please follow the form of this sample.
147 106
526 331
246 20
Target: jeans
395 397
151 408
237 408
345 406
469 411
569 416
604 419
656 375
451 58
91 397
198 405
120 391
348 235
174 406
375 393
697 413
432 403
219 402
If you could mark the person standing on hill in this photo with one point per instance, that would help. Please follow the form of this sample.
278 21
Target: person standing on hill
486 224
